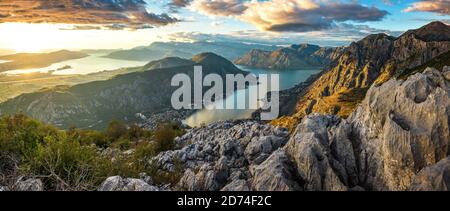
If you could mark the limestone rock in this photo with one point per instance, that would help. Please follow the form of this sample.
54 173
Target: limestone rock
322 160
237 185
433 178
118 183
277 173
30 185
400 128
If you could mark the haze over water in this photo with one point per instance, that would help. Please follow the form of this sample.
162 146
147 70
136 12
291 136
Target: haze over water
91 64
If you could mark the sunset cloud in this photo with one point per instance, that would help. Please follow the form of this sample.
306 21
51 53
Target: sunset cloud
436 6
130 14
288 15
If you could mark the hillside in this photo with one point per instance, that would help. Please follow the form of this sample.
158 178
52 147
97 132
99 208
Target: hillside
372 60
37 60
120 98
160 50
302 56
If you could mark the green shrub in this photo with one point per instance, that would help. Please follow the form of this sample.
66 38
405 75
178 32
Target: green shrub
164 137
116 130
68 160
122 144
65 165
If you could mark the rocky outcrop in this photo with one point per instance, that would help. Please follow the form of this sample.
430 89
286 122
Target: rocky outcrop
435 177
402 127
29 185
118 183
397 139
221 153
277 173
323 154
293 57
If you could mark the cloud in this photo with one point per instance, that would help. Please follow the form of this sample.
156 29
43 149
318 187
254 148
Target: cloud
288 15
435 6
180 3
339 35
81 27
131 14
220 7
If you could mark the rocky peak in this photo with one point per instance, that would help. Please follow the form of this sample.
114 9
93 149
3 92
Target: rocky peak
434 31
212 61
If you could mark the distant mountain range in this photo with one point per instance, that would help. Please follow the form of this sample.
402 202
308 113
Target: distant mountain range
160 50
301 56
372 60
37 60
93 105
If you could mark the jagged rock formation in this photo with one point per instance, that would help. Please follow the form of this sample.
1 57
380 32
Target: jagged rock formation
293 57
397 139
221 153
402 127
373 60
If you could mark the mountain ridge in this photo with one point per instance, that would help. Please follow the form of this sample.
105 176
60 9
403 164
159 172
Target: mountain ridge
370 61
302 56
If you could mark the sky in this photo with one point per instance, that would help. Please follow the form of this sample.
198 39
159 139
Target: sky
41 25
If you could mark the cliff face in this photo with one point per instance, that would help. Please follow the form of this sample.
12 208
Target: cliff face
294 57
397 139
373 60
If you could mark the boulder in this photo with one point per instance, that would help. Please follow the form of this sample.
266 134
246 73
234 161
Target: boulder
277 173
400 128
118 183
30 185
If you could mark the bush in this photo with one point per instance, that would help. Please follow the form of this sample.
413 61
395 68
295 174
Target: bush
164 137
116 130
68 160
66 165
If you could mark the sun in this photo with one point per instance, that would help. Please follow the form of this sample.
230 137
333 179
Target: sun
28 47
28 38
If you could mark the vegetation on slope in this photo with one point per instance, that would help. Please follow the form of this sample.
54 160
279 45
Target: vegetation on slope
438 63
77 159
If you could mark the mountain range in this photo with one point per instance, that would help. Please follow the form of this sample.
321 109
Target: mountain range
303 56
160 50
94 104
372 60
37 60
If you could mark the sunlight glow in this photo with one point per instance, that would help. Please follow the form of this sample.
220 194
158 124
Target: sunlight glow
24 37
28 37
